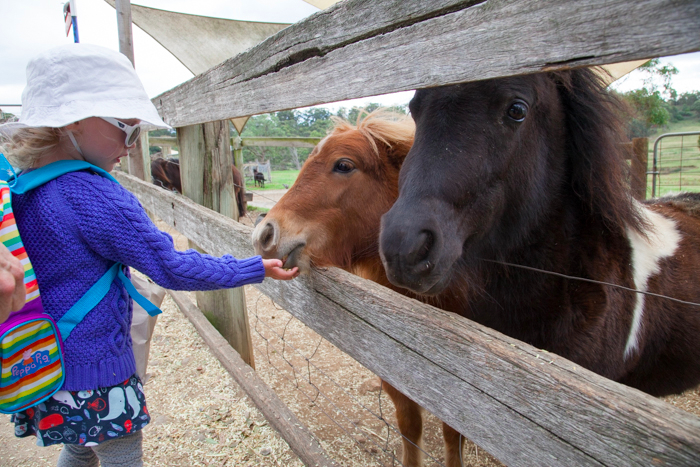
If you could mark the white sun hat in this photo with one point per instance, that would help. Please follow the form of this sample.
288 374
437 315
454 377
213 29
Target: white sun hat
77 81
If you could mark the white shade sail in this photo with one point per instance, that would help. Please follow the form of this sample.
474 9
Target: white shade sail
201 42
322 4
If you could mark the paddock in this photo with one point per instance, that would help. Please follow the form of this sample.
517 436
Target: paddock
521 404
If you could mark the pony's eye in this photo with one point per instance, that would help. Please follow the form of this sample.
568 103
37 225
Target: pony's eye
518 111
344 166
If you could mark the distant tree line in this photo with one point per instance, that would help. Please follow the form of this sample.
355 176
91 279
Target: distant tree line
311 122
654 106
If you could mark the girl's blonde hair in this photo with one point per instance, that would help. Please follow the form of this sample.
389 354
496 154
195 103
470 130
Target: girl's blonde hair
27 146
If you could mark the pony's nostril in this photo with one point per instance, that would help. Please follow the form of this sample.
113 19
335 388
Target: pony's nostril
427 240
267 237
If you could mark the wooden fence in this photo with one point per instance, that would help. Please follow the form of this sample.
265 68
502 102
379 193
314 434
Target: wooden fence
524 405
238 143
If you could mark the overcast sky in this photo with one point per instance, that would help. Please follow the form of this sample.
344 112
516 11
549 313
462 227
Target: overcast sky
32 26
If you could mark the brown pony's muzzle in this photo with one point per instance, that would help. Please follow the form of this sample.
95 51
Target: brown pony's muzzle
269 243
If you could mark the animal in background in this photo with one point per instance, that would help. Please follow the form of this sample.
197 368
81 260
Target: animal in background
258 178
166 173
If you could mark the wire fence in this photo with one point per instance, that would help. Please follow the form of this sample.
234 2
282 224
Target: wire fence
677 164
337 398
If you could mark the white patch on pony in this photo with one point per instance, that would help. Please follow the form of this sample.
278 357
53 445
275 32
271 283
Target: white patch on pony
647 252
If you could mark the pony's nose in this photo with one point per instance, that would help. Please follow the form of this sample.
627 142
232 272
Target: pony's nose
407 254
265 239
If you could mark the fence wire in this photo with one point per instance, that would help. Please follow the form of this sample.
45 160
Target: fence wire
678 164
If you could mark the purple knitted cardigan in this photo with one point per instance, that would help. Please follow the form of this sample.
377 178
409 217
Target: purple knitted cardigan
76 227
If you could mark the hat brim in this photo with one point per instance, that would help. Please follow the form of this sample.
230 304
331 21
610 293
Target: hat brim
10 128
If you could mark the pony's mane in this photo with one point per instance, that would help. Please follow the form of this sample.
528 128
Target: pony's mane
391 128
599 172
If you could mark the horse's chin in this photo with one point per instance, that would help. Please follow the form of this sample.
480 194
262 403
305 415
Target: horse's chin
434 285
430 285
437 288
298 258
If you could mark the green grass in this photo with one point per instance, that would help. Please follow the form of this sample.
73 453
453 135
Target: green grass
677 127
670 163
279 177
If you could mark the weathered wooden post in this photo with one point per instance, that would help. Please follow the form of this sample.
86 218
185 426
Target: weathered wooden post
237 145
136 164
205 168
146 156
237 152
638 169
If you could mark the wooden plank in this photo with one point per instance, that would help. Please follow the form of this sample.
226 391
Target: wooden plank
237 142
146 156
205 168
366 47
638 167
135 161
297 435
126 38
163 140
524 405
279 142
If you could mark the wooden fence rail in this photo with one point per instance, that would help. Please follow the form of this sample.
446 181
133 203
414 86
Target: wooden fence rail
255 141
524 405
361 48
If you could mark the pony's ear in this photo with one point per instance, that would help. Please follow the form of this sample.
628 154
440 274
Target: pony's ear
397 153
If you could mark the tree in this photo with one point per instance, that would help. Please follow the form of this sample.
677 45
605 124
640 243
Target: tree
653 70
6 116
647 107
647 110
311 122
686 107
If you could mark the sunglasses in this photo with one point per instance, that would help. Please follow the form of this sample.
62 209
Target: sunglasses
132 132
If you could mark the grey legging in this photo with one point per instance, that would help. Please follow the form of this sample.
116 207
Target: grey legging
120 452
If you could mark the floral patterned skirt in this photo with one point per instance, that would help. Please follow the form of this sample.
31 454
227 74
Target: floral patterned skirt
85 417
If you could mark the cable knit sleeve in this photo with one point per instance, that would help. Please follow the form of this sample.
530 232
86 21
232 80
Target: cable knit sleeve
114 224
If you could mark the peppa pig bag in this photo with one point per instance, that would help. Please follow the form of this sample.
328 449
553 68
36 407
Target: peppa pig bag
31 342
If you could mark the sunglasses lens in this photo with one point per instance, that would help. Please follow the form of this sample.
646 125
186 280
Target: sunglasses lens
131 139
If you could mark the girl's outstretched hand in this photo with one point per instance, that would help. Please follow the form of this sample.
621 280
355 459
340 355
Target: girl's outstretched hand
273 269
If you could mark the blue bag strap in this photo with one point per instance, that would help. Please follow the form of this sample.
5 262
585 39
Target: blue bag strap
146 304
35 178
95 294
87 302
7 172
76 313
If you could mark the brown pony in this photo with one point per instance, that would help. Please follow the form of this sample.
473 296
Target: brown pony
166 173
331 217
514 192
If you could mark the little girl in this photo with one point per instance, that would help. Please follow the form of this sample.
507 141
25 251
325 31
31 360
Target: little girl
85 102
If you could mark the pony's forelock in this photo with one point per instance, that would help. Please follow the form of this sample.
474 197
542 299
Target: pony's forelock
391 128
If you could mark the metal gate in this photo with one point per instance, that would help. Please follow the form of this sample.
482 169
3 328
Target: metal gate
676 164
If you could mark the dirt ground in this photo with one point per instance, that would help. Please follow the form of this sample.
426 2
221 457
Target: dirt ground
200 417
